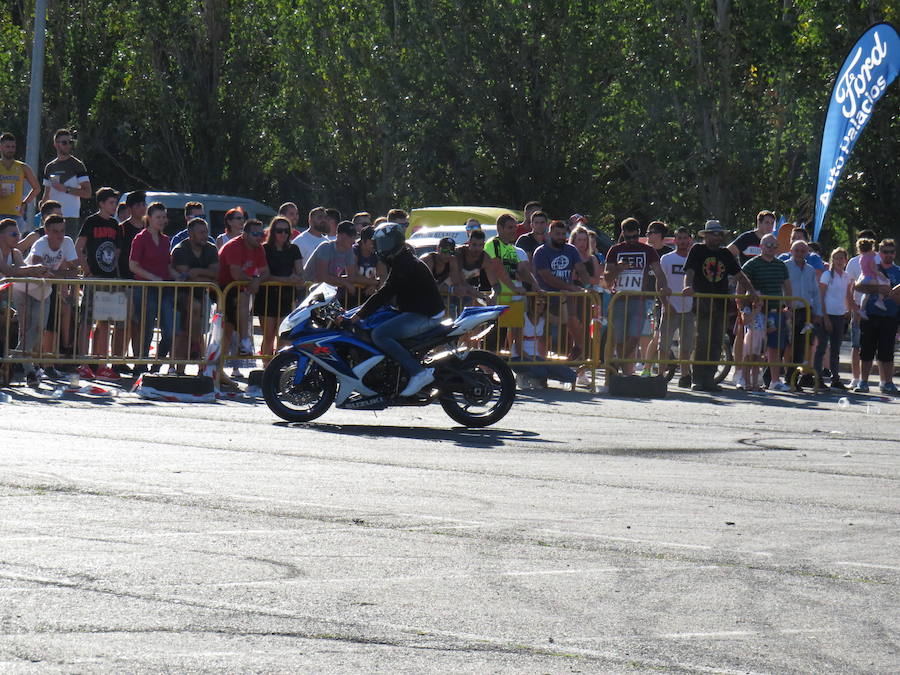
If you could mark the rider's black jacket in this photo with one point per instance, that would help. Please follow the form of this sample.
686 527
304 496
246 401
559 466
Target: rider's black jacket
411 282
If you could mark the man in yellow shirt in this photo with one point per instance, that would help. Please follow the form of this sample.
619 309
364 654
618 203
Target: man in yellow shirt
13 177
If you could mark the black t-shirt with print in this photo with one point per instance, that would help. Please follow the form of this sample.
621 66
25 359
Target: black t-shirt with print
711 267
103 240
747 245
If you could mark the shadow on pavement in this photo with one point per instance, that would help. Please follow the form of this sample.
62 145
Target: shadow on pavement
461 436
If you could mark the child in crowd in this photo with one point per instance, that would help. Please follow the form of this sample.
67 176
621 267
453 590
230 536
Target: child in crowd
869 274
534 348
754 344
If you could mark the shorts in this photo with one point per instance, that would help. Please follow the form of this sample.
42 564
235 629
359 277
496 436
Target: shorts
778 338
854 334
230 311
628 314
878 338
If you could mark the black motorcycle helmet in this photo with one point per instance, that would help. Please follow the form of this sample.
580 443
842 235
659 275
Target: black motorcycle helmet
389 240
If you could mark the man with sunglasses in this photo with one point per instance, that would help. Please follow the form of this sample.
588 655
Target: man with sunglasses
878 332
706 270
66 181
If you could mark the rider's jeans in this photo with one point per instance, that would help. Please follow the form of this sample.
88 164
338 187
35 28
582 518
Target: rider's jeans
404 325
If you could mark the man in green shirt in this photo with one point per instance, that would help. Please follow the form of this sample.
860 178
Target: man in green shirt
769 276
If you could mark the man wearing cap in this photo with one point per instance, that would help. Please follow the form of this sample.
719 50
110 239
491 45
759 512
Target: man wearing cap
443 264
706 270
370 270
334 262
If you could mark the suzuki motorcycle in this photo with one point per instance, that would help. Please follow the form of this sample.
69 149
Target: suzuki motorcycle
333 361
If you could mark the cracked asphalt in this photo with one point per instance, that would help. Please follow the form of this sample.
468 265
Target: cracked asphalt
732 534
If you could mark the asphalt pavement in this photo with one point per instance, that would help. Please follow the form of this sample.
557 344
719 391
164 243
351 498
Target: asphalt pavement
732 533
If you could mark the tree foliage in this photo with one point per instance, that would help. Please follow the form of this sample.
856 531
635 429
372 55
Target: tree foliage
674 109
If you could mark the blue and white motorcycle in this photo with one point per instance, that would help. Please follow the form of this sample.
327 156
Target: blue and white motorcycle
334 362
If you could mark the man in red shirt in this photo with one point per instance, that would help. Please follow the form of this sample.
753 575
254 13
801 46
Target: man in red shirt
627 267
242 259
525 226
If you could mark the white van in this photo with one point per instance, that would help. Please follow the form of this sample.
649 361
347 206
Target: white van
215 207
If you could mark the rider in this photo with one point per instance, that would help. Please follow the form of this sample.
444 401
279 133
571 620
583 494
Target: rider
417 298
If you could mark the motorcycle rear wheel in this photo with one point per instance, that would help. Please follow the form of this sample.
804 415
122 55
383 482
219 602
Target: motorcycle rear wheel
489 395
301 402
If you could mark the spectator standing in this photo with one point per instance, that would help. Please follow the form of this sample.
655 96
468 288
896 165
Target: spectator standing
14 175
334 262
878 331
242 259
333 216
769 276
804 284
369 269
443 265
191 210
677 312
814 259
530 209
854 299
314 234
56 252
706 270
195 259
362 220
29 301
627 264
273 303
290 211
744 247
472 263
559 267
66 181
149 260
235 219
99 246
833 285
48 208
136 202
529 242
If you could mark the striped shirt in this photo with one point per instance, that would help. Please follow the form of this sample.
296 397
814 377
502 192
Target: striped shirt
767 277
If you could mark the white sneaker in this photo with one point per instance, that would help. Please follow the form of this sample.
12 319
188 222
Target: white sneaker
779 386
246 347
738 380
853 385
584 380
417 381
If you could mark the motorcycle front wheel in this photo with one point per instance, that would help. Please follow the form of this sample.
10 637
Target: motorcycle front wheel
487 394
292 401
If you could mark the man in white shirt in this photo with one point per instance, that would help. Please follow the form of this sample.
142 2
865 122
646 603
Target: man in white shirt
678 310
317 232
56 252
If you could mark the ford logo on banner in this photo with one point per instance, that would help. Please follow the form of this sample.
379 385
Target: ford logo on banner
871 66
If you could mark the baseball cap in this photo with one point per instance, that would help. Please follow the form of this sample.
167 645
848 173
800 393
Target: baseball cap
346 227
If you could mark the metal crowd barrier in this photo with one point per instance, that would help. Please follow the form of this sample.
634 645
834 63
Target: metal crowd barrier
275 300
711 323
86 321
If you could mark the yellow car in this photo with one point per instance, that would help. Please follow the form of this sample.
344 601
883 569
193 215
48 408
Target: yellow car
434 216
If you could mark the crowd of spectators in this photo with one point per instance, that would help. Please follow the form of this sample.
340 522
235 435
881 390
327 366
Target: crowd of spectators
542 267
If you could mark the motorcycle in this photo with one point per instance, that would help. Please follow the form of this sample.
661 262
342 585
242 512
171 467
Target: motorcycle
333 361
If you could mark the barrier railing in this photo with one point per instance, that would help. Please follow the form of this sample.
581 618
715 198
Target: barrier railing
562 316
86 321
710 318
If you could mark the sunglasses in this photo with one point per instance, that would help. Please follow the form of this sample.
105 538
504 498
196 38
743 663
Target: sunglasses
13 233
236 218
281 231
888 251
446 251
258 234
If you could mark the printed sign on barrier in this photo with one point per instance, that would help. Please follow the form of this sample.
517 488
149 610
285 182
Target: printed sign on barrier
110 306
